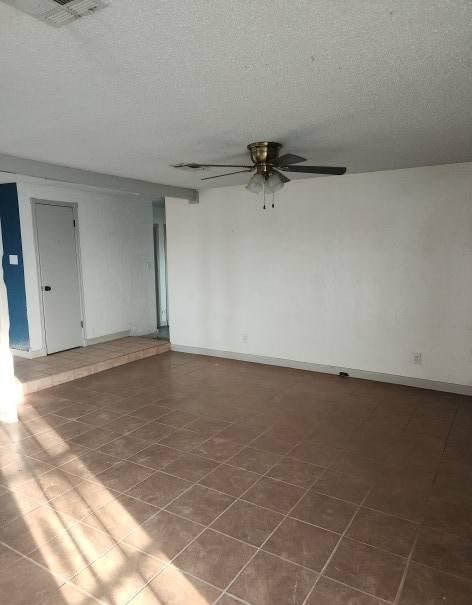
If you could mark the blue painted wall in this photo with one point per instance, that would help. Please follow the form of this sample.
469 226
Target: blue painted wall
14 274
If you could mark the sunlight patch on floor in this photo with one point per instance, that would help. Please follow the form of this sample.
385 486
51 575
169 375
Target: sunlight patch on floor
84 552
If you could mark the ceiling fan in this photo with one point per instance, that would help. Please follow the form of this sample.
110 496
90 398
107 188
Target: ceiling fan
269 167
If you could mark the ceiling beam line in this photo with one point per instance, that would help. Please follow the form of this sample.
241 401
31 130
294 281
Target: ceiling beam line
65 174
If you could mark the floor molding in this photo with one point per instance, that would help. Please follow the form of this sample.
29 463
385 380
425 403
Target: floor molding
422 383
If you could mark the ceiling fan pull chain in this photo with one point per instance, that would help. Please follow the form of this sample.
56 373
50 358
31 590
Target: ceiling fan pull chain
264 194
273 200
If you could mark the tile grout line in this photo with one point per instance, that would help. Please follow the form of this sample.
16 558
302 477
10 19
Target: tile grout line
421 524
335 549
405 571
205 527
259 549
208 526
283 456
54 574
363 592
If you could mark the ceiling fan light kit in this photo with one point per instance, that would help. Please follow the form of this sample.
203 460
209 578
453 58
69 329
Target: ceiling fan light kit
268 165
256 183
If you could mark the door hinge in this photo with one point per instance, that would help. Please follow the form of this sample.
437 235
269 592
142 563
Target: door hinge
73 222
81 324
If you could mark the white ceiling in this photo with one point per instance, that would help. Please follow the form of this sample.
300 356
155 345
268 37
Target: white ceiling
141 85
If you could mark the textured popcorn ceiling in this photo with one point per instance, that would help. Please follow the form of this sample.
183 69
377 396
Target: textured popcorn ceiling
371 84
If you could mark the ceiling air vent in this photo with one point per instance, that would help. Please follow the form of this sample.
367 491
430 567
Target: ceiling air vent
57 12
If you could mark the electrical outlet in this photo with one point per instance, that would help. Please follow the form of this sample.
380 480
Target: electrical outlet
418 358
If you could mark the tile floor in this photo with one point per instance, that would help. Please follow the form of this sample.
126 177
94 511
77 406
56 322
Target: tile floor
45 372
185 480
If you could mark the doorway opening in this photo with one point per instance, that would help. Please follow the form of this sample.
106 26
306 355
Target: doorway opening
160 267
57 252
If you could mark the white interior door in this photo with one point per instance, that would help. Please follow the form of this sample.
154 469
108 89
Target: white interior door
59 276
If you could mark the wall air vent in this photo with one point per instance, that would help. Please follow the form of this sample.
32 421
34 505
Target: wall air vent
57 12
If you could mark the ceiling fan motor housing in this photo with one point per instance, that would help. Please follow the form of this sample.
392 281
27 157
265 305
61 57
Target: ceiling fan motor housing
264 152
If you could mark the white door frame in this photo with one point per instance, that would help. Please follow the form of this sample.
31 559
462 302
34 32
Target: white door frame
34 203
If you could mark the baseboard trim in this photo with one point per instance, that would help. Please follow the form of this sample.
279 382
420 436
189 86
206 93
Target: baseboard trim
422 383
106 338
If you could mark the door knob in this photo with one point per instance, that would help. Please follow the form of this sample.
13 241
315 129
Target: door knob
47 288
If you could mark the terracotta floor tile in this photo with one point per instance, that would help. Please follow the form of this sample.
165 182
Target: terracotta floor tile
296 472
94 439
407 501
227 599
159 489
153 432
324 511
88 465
231 480
73 550
123 475
383 531
126 424
201 504
315 452
124 446
118 575
156 456
28 584
268 580
242 434
22 469
274 494
449 515
369 569
450 553
426 586
47 486
151 412
207 427
178 419
184 440
70 595
218 448
100 418
328 592
248 522
388 439
276 443
302 543
59 453
173 587
163 535
254 460
345 487
122 515
73 410
214 558
191 467
28 531
82 500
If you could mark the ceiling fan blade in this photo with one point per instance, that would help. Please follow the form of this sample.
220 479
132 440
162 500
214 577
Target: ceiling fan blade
193 165
207 178
315 169
283 178
288 158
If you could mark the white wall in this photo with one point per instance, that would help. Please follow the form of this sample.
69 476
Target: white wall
358 271
116 244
